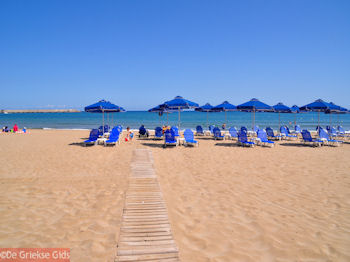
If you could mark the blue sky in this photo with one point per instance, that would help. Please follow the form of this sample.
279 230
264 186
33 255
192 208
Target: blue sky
138 54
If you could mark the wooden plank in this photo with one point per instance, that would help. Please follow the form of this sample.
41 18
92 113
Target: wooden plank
145 233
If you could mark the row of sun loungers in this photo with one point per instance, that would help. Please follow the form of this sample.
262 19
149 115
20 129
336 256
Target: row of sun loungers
243 137
102 133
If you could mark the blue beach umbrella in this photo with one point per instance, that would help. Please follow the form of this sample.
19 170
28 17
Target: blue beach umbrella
161 109
295 109
205 108
318 106
224 107
281 108
335 109
179 103
103 106
254 105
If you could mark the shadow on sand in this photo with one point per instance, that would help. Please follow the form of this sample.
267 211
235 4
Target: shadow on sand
153 145
82 144
295 144
233 144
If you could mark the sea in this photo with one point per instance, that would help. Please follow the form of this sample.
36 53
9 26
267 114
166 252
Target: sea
188 119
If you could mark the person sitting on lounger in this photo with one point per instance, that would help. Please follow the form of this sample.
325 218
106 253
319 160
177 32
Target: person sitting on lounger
223 127
129 134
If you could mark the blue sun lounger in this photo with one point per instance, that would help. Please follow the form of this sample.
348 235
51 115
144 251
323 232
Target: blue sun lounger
189 138
92 137
307 139
243 139
158 133
341 132
170 139
271 134
217 133
211 128
332 132
176 131
285 133
199 131
297 129
324 136
143 132
262 136
233 133
113 137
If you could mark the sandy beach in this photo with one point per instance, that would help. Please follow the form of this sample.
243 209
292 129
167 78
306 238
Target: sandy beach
225 203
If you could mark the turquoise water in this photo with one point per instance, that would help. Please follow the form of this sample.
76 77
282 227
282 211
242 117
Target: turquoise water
189 119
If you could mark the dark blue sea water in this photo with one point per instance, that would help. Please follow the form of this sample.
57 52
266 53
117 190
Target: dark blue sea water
189 119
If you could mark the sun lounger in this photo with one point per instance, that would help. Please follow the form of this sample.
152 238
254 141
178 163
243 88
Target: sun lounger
307 139
262 138
286 134
189 138
324 136
176 131
92 137
217 134
297 129
158 133
332 132
199 131
243 139
170 138
271 134
113 137
233 133
342 132
143 132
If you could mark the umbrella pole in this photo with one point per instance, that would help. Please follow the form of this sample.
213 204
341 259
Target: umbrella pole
207 118
295 119
225 118
103 121
318 119
253 119
279 120
330 119
167 118
179 119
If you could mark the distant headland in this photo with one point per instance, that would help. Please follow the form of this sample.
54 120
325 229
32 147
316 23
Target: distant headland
12 111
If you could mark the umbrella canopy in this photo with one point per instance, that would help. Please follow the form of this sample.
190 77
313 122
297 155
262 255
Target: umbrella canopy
160 109
205 108
255 105
337 108
320 106
103 106
281 108
295 109
179 103
224 106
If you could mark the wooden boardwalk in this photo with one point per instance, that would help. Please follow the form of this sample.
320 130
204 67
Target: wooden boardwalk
145 233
